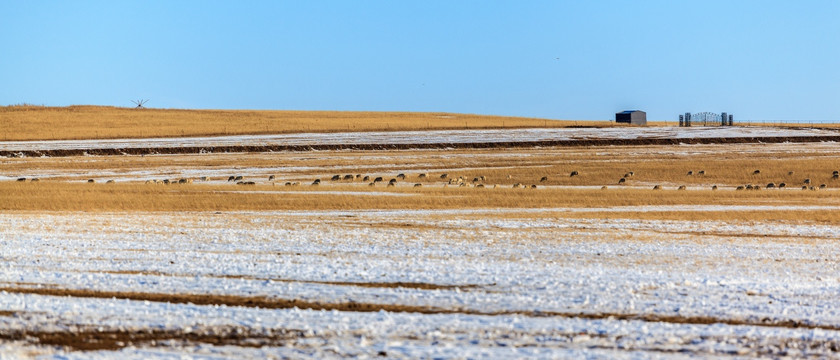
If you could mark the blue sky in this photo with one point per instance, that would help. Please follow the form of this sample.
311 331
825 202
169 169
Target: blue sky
757 59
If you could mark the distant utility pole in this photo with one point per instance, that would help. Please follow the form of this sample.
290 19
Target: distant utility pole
140 103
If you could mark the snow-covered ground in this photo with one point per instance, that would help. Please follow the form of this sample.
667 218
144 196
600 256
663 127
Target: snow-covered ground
476 283
422 137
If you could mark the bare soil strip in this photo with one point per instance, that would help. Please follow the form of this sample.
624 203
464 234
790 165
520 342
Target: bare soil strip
381 285
419 146
85 339
277 303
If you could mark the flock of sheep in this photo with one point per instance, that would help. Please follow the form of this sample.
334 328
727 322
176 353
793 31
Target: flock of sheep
462 181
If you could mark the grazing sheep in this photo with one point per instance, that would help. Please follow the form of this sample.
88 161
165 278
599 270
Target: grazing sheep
182 181
372 184
422 176
714 187
335 178
418 185
835 176
482 178
366 178
21 179
480 186
358 176
544 179
740 187
390 184
296 183
782 185
246 183
348 177
238 178
378 179
165 181
812 188
749 186
771 185
271 178
462 184
657 187
204 178
604 187
756 188
231 178
148 181
401 176
682 187
622 180
701 172
316 182
392 181
475 179
835 172
822 186
629 174
533 186
690 173
35 180
109 182
517 185
574 173
289 183
790 172
756 172
443 176
807 181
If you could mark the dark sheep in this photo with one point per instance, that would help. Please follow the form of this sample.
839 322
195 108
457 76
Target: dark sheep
35 180
657 187
335 178
835 176
271 178
790 172
401 176
544 179
690 173
348 177
21 179
238 178
749 186
533 186
443 176
740 187
165 181
771 185
622 180
109 182
372 184
378 179
422 175
701 172
418 185
390 184
782 185
756 172
392 181
823 186
807 181
289 183
480 186
682 187
629 174
475 179
714 187
574 173
366 178
835 172
316 182
604 187
231 178
804 187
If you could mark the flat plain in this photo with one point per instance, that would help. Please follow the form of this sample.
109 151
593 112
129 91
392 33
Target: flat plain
496 252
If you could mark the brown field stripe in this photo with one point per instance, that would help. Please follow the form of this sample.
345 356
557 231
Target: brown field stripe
275 303
420 146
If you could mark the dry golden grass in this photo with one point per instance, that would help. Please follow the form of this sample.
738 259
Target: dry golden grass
59 196
104 122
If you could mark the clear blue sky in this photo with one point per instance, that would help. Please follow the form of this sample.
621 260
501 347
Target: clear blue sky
758 59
